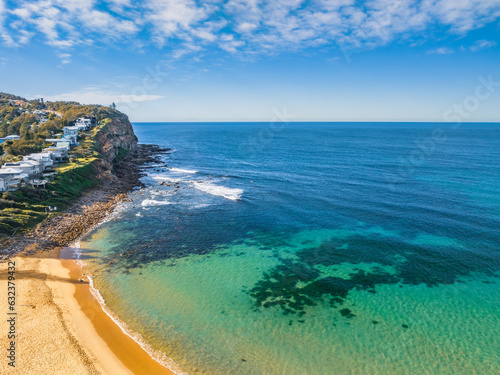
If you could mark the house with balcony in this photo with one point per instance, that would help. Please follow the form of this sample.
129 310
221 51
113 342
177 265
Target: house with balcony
11 178
58 154
26 168
86 122
71 130
46 159
37 164
67 141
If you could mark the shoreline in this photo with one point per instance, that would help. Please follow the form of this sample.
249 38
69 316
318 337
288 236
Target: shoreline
128 351
154 354
67 312
61 326
65 227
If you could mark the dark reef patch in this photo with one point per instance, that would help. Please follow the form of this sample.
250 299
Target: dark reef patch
300 282
165 241
346 313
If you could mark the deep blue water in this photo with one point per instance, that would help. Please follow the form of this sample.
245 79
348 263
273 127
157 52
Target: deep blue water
312 248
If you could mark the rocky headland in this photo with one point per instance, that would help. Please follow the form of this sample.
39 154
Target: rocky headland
118 172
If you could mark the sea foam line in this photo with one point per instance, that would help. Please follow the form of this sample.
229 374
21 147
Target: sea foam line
154 202
169 179
137 337
156 355
222 191
179 170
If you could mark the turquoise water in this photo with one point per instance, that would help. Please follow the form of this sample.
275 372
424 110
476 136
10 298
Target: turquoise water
311 249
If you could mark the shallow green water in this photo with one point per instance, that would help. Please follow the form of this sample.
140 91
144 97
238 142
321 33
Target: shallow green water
286 262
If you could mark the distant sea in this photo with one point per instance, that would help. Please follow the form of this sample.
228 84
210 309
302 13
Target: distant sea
311 248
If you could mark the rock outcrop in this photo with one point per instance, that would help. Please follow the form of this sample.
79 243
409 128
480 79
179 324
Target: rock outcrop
116 140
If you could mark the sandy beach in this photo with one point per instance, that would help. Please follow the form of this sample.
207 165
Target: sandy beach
60 326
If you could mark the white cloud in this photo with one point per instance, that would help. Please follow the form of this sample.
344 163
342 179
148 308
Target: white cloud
440 51
175 16
7 39
464 15
65 58
482 44
64 23
231 45
186 49
246 27
90 96
255 25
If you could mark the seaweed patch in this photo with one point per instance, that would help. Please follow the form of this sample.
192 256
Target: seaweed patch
309 278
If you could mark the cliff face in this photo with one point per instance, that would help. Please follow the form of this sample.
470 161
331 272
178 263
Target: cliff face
116 140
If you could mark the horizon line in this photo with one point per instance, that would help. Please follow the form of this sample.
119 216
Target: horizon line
327 121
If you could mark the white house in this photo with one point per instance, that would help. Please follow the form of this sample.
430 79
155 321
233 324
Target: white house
62 142
58 154
10 178
45 158
73 139
61 149
87 122
26 168
71 130
37 164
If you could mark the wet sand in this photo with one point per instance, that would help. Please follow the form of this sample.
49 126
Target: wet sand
61 328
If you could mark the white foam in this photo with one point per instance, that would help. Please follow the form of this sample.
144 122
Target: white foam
198 206
178 170
167 178
222 191
153 202
156 355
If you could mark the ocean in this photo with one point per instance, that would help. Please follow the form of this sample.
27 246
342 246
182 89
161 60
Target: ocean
310 248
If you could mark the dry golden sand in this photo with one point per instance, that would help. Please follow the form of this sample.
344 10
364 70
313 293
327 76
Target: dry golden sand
61 328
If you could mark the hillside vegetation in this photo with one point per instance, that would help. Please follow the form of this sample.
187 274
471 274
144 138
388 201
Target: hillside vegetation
21 209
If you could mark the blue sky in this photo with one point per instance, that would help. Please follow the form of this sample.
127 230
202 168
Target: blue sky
246 60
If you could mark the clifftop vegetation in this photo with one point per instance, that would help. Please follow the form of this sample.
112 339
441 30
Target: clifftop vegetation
36 120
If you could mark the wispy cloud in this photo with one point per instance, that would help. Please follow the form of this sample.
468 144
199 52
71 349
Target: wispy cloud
464 15
482 44
65 58
440 51
65 24
7 39
252 26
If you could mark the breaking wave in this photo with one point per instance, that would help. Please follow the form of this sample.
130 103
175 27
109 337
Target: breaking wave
222 191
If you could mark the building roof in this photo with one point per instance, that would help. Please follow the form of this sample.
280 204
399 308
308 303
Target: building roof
40 154
18 164
10 171
32 162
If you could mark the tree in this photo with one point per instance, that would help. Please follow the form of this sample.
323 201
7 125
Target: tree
28 136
